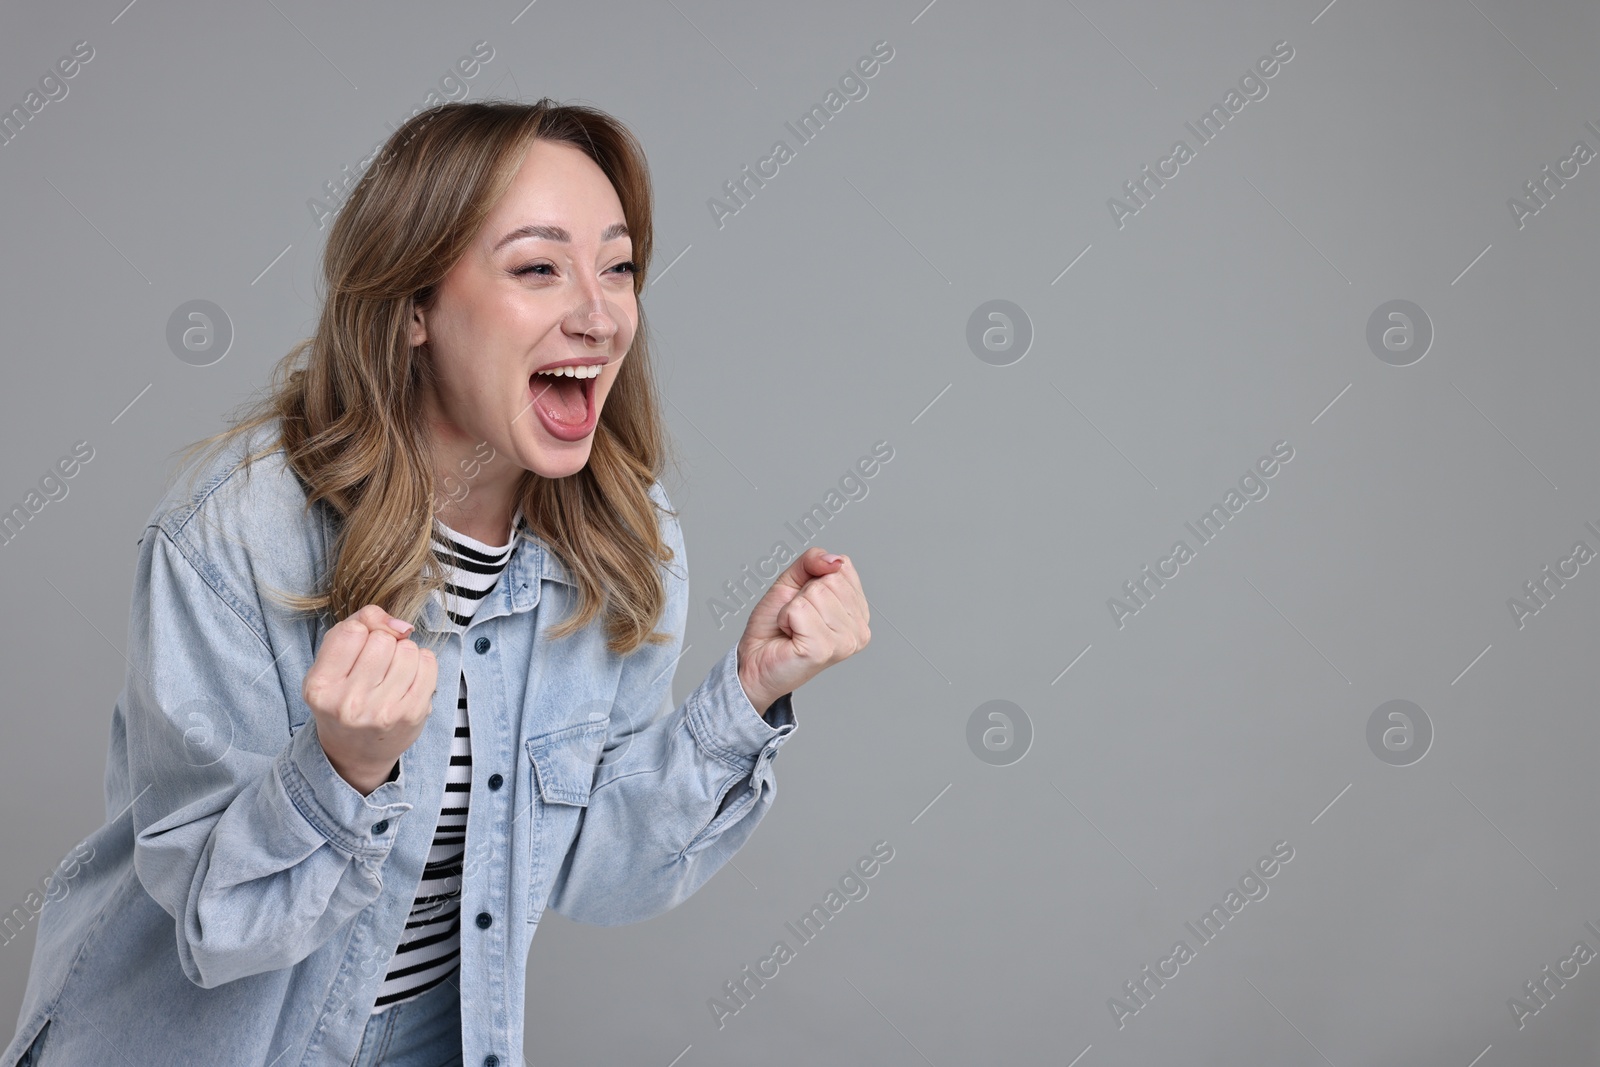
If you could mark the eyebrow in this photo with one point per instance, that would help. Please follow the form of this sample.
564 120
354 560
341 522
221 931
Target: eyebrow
556 233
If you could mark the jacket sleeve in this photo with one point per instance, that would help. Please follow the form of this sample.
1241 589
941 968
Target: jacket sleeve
243 832
677 791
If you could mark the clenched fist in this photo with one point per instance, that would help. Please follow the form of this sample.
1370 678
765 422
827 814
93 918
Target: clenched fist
813 616
371 691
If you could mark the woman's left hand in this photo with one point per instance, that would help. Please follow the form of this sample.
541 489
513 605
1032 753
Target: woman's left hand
814 616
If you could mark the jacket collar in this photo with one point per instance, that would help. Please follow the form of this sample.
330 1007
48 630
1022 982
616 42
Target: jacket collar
532 562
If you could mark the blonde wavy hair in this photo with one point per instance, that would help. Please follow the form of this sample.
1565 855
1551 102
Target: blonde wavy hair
349 397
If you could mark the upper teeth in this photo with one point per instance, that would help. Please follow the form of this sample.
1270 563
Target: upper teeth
591 371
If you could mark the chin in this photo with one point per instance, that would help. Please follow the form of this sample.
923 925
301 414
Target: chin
563 463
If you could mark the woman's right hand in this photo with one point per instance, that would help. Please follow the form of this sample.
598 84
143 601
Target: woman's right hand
371 691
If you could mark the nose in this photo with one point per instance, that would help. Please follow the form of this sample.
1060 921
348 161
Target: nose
594 321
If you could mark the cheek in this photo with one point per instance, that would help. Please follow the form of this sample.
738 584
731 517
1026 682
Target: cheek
451 379
605 384
628 323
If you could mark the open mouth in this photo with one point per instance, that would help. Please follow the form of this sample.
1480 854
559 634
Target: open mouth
564 402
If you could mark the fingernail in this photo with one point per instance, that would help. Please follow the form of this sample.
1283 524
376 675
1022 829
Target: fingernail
401 625
834 558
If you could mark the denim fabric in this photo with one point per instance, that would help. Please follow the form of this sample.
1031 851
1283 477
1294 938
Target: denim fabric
31 1054
241 901
425 1032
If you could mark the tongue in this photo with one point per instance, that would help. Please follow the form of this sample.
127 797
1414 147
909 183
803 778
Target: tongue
561 398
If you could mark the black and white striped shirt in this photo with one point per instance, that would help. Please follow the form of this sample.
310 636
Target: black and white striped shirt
430 949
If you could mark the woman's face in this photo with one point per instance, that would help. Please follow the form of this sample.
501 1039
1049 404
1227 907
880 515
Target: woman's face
547 281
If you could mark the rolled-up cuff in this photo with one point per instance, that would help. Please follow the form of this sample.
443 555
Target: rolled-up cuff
726 725
360 825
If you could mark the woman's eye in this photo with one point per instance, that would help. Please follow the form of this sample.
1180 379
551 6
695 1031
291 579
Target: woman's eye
626 268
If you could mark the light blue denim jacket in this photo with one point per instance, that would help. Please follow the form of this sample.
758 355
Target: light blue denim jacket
241 902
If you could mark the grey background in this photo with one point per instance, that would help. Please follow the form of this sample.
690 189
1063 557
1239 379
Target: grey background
831 312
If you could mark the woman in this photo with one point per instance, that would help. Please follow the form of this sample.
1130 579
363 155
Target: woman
313 853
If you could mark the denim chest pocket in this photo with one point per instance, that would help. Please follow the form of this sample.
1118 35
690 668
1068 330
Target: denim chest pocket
563 763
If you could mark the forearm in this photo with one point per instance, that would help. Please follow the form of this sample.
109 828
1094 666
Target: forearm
650 838
260 882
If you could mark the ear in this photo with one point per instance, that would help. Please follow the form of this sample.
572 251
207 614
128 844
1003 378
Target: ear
417 329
